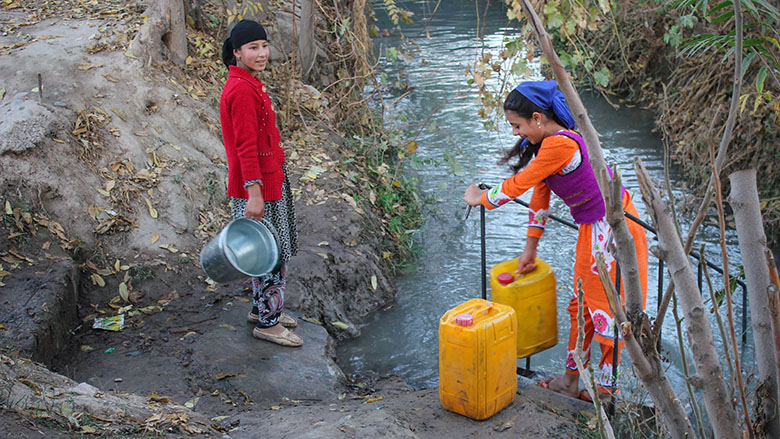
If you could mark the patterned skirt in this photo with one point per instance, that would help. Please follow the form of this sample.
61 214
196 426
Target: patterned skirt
281 215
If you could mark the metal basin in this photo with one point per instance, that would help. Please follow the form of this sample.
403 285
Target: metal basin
243 248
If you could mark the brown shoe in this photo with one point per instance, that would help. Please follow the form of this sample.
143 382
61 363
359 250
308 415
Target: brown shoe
285 319
286 338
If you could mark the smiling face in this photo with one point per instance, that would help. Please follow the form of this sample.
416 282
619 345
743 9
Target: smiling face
253 56
529 129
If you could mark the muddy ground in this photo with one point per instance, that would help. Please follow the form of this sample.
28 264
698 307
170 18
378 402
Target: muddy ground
112 180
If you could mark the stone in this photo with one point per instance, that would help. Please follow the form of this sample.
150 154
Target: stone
24 124
84 389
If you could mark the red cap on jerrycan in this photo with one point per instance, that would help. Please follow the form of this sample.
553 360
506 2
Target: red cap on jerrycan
505 278
464 320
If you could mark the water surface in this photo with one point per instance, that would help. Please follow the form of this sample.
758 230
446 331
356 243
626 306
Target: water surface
402 339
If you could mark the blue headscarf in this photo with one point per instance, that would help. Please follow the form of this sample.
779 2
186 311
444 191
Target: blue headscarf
546 96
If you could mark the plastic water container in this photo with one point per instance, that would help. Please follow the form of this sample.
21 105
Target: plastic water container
532 295
477 358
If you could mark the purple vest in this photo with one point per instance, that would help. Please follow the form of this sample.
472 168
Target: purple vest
578 188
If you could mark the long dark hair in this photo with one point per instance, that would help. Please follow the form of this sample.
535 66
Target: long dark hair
523 151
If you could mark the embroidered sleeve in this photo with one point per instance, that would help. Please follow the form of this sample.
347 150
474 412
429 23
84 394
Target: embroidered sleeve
554 154
539 210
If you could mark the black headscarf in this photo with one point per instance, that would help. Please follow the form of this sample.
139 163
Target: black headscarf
245 31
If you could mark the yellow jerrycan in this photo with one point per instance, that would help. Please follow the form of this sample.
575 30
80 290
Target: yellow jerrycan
532 295
477 358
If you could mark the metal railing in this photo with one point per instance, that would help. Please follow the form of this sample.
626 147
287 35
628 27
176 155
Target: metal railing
527 372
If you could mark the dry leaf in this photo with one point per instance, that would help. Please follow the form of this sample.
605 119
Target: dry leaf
192 403
373 282
223 375
340 325
110 185
93 211
89 66
155 238
110 78
152 210
123 292
8 210
97 280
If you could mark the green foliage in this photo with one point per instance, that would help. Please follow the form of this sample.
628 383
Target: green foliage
673 36
391 54
761 49
398 15
379 172
565 21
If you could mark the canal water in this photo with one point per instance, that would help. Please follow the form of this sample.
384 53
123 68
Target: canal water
455 150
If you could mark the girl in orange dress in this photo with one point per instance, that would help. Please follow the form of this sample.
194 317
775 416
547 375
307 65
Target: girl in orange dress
551 157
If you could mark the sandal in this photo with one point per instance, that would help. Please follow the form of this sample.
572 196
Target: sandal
545 383
286 338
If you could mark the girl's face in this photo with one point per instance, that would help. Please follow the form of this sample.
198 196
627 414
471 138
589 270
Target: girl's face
529 129
252 56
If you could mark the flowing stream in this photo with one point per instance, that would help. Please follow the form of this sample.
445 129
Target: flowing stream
402 339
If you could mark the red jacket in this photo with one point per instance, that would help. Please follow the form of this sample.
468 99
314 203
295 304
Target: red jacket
250 136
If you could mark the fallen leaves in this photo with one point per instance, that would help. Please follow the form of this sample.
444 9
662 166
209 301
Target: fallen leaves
152 210
124 292
97 280
340 325
164 421
89 66
312 174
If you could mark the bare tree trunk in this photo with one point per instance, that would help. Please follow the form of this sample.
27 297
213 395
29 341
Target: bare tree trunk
360 28
709 376
752 246
647 363
194 11
307 50
164 34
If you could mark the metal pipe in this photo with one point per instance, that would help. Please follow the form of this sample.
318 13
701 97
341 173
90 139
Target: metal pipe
744 312
615 345
482 249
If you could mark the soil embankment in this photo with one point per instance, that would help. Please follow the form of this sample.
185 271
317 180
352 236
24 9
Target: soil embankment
112 180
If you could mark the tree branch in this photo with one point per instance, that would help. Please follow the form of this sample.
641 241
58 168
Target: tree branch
721 414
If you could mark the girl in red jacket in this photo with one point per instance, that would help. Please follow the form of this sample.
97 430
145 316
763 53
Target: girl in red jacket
257 176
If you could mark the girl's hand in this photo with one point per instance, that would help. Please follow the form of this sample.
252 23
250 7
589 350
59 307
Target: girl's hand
526 261
255 206
473 195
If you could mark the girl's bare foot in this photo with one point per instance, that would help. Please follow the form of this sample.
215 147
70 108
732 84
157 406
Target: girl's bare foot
566 384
